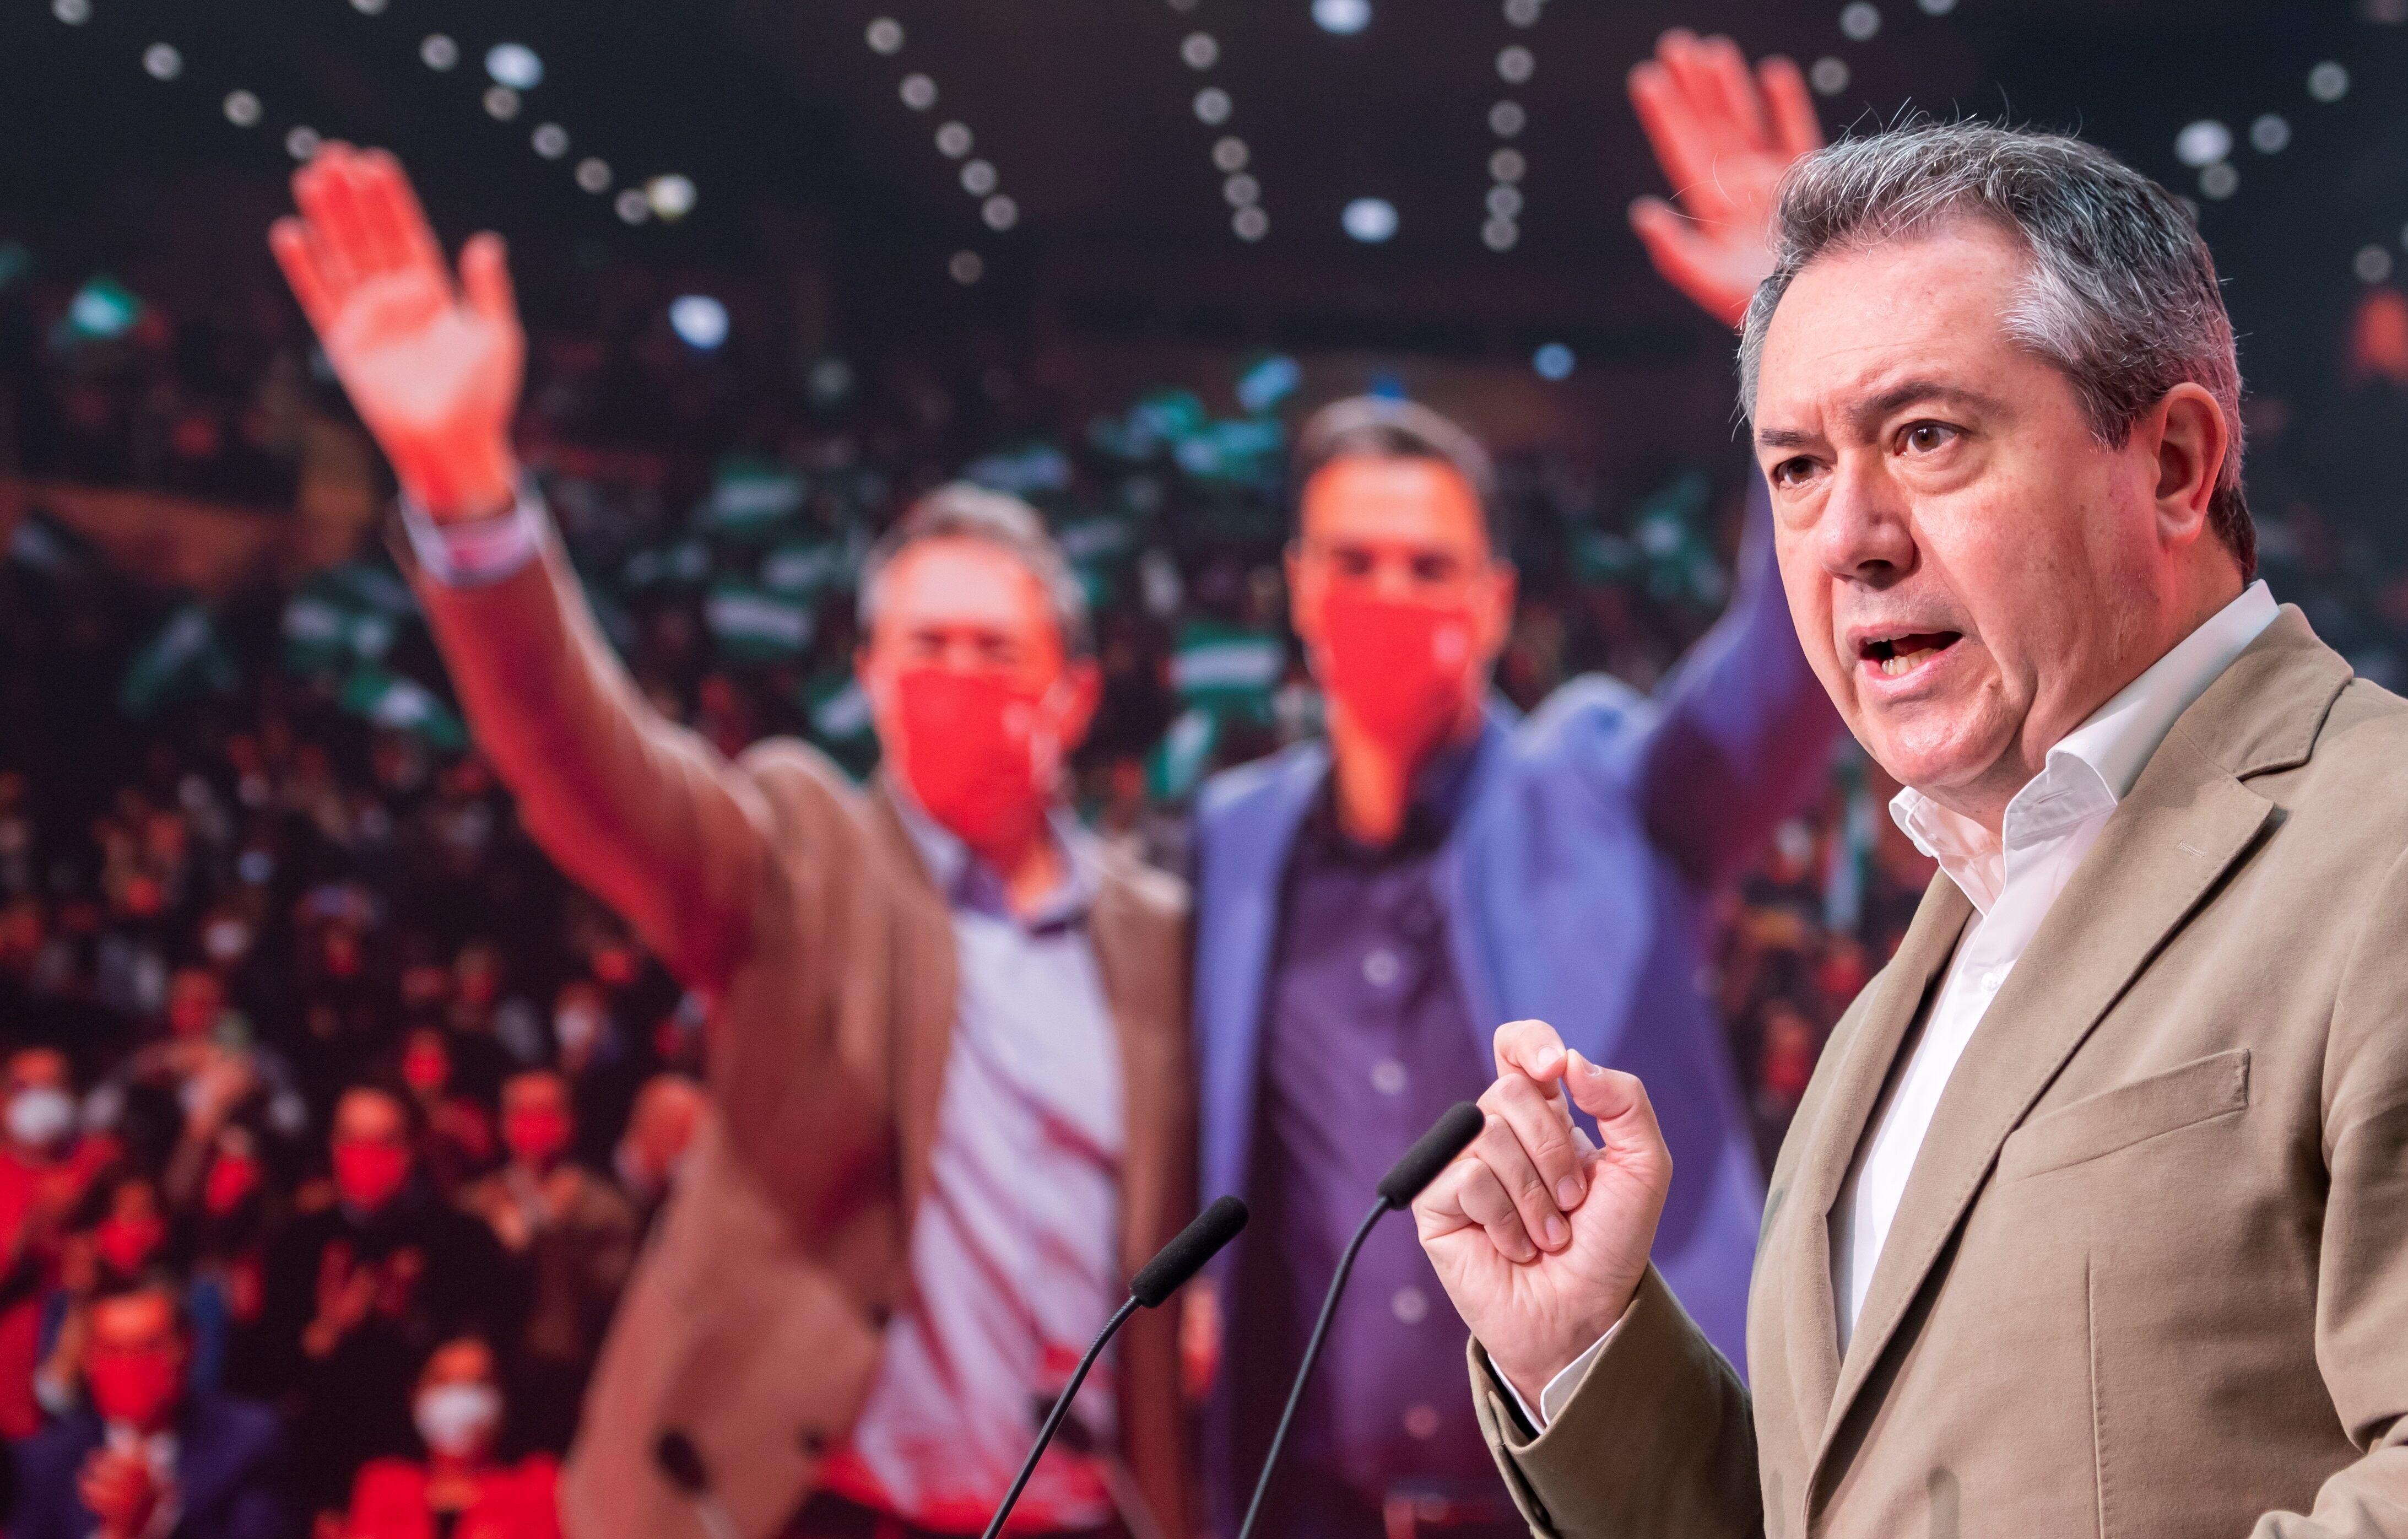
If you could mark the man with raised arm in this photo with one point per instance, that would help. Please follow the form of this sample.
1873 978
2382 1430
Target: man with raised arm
2092 1218
949 1031
1371 907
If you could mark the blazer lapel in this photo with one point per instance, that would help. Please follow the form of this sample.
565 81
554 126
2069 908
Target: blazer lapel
1810 1317
2186 822
928 997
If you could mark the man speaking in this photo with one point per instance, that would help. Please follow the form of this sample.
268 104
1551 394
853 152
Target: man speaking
2094 1217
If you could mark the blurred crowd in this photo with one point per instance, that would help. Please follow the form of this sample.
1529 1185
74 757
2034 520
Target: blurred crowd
332 1110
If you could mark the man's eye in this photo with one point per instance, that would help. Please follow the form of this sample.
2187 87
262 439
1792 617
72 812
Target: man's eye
1926 438
1791 472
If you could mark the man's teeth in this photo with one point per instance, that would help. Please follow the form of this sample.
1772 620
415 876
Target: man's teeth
1904 662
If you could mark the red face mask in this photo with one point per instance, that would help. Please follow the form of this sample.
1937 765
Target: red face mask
368 1174
424 1069
536 1136
126 1243
135 1387
1403 673
230 1180
978 758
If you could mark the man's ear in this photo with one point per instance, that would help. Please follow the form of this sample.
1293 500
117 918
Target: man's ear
1084 681
2191 439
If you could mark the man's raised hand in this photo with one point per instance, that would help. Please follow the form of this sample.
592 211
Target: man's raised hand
433 370
1540 1237
1723 138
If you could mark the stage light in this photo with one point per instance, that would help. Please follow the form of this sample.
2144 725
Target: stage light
302 142
551 141
1250 223
501 103
1554 361
2270 134
1500 234
1507 166
437 52
2203 143
1860 22
919 92
1524 13
1231 154
2328 81
1829 76
1370 220
633 206
514 64
1000 212
1505 201
368 7
953 140
966 267
74 13
885 36
1200 51
593 174
829 383
1516 65
1937 7
671 196
1212 106
1242 191
242 108
161 62
699 320
2372 264
1507 120
2220 180
1342 17
977 178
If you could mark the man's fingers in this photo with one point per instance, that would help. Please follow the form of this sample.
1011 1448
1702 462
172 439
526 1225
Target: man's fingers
1543 1123
390 206
1671 127
1485 1202
1529 1048
1692 62
1724 74
1796 129
1500 1149
322 190
1681 252
1625 1116
485 278
296 254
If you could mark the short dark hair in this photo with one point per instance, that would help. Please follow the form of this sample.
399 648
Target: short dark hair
154 1278
961 511
1381 427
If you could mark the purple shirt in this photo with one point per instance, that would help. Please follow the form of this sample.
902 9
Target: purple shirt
1368 1038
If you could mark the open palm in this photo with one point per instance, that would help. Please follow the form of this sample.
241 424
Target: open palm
1723 138
433 370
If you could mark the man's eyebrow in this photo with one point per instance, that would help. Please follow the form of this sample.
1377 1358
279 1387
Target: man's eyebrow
1867 415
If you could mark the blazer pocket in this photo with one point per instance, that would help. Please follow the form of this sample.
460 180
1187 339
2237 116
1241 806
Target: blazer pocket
2127 1114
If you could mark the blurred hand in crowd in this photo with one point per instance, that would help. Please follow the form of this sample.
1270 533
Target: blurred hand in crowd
1723 138
433 369
1540 1237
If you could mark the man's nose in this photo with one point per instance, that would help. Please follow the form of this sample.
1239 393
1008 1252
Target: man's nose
1865 534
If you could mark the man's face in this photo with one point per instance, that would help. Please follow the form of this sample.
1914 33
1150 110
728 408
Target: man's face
134 1357
970 606
1971 571
371 1117
1408 531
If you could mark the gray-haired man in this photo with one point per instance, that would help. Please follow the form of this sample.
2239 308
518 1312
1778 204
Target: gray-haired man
2094 1217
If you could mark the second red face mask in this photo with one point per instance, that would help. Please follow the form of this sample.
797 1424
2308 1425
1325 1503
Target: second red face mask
1402 672
979 757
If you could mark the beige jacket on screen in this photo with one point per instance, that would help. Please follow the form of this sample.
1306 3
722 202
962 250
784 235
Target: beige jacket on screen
754 1320
2149 1277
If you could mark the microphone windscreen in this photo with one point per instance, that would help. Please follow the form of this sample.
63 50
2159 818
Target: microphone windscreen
1454 1129
1187 1252
682 1462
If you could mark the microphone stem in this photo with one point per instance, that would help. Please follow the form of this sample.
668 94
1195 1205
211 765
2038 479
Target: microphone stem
1312 1350
1053 1417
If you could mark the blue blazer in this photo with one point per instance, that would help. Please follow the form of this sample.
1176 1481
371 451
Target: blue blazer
229 1457
1575 883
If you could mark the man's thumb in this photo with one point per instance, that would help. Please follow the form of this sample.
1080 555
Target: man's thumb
485 277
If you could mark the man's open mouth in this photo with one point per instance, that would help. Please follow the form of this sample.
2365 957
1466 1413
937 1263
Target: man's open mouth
1898 656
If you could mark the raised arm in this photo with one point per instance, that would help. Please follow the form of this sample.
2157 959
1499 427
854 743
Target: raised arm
1743 728
641 810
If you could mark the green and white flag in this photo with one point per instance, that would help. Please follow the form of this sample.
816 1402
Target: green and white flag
183 659
753 624
1243 451
1026 470
403 705
1175 765
1225 669
102 309
838 710
807 568
1266 381
751 497
346 614
683 563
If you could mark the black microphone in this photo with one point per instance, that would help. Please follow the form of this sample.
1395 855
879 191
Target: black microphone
1155 1281
1449 1136
680 1461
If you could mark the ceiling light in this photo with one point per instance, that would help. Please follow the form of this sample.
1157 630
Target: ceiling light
885 35
1524 13
1829 76
2328 81
632 205
1242 191
301 142
977 178
1515 65
919 92
514 64
671 196
1342 17
437 52
593 174
501 102
1505 200
74 13
953 140
1553 362
1000 212
2203 143
1507 120
1371 220
1500 234
1231 154
1507 166
1250 223
551 141
242 108
1212 106
2270 134
966 267
161 62
1860 22
2372 264
2219 180
1200 51
699 320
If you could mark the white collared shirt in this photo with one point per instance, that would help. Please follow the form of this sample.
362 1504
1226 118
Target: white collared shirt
2012 882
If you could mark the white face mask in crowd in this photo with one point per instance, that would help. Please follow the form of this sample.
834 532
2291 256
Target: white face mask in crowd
40 1115
454 1419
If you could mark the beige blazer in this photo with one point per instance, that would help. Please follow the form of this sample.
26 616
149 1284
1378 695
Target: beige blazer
2149 1276
754 1320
